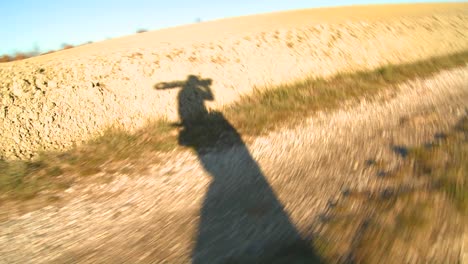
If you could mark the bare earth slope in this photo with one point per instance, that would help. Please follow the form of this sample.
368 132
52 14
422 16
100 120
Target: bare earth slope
53 101
160 217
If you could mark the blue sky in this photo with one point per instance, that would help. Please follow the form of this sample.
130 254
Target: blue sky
47 24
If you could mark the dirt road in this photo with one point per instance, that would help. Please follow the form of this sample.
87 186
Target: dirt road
249 203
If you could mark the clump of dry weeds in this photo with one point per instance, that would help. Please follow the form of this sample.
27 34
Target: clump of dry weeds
406 222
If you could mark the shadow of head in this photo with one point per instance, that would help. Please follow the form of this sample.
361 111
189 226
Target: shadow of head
196 81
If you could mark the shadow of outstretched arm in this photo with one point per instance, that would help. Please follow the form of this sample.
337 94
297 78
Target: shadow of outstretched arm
169 85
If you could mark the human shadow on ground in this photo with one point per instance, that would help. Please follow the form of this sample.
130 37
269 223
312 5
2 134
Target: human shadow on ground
242 220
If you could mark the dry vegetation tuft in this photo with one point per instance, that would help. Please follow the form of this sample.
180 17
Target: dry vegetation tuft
385 226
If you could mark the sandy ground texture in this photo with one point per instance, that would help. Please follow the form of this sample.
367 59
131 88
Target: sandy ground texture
50 102
248 201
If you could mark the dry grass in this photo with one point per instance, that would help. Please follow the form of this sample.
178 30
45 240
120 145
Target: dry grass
445 163
391 224
290 103
55 171
251 116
